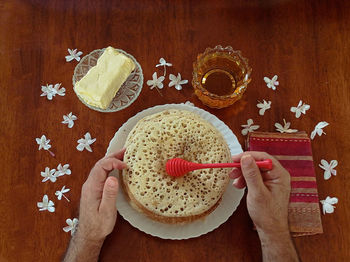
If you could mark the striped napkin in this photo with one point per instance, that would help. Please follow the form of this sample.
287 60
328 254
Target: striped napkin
295 154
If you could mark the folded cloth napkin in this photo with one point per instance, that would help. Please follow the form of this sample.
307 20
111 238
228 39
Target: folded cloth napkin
295 154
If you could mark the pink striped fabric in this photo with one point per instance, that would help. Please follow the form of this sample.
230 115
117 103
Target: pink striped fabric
295 154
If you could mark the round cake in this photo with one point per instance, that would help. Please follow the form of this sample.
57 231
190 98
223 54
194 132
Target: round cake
160 137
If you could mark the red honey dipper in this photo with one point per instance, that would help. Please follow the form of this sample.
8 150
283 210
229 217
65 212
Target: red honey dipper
178 167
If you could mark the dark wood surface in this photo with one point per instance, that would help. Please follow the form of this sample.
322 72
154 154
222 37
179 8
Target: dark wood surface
306 43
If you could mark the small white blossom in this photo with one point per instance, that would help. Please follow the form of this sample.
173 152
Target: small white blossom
63 170
265 105
301 108
84 143
176 81
162 62
285 128
60 193
46 204
47 91
327 204
156 81
69 119
58 90
49 175
328 168
271 83
249 127
50 91
43 143
72 226
73 54
319 129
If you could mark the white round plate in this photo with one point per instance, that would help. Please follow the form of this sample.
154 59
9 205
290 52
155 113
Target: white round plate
127 93
227 206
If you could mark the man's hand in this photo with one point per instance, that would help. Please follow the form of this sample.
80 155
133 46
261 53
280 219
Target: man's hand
98 211
267 203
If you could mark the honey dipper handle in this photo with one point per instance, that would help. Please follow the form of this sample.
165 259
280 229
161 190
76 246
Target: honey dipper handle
264 164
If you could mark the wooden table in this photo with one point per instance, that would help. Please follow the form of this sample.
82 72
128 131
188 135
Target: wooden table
306 43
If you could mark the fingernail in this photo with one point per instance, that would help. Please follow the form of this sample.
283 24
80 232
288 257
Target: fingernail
234 182
246 160
111 182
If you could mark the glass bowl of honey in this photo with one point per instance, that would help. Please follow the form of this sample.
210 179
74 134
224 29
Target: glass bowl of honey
220 76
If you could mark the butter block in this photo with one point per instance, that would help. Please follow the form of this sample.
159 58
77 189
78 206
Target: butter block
99 86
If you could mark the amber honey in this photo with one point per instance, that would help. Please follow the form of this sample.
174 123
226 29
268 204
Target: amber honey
219 82
220 76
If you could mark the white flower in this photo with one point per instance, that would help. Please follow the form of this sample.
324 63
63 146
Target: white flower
84 143
60 193
72 226
319 129
328 168
327 204
57 89
63 170
73 54
301 108
264 106
176 81
46 205
47 91
69 119
285 128
49 175
43 143
156 82
271 83
162 62
50 91
249 127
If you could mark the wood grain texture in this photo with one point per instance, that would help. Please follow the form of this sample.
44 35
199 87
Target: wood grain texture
306 43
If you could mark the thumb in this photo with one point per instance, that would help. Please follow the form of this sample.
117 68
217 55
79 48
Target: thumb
109 196
252 175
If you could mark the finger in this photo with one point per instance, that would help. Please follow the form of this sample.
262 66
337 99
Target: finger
99 172
117 154
108 205
235 173
258 156
252 175
239 182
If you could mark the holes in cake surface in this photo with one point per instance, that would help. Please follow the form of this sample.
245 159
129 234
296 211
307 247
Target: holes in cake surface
188 141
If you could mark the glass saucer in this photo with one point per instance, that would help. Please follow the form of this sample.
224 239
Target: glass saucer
127 93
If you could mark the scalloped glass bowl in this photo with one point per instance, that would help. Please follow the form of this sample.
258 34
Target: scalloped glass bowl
127 93
228 61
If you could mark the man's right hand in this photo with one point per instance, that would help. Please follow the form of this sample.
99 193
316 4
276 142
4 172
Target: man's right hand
267 203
